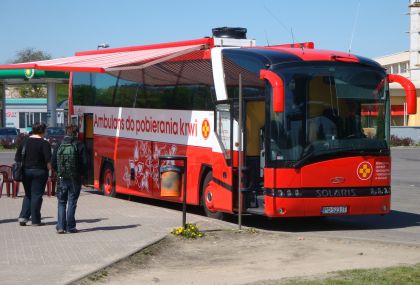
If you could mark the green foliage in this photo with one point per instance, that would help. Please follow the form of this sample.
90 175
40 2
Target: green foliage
30 54
408 275
27 55
62 92
252 230
397 141
190 231
32 91
40 91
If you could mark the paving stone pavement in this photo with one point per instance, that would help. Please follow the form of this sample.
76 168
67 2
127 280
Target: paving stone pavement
110 229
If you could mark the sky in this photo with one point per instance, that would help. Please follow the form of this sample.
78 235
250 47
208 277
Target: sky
61 28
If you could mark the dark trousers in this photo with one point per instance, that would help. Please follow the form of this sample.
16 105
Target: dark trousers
34 181
68 192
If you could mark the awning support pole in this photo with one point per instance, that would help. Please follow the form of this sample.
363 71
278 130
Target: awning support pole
51 104
240 155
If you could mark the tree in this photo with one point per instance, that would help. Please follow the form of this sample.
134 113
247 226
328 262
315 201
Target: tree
27 55
30 54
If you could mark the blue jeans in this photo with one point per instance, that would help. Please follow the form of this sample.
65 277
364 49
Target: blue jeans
34 182
68 191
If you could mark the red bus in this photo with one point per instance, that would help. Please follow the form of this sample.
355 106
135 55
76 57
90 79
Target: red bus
315 126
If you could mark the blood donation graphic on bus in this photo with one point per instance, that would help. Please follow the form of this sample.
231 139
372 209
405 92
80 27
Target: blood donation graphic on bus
144 165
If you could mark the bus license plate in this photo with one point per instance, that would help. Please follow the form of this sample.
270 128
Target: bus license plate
334 210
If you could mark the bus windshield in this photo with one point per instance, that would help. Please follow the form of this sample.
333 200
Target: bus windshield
331 109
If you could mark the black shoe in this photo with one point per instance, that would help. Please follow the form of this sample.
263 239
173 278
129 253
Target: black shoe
61 231
38 224
73 231
22 221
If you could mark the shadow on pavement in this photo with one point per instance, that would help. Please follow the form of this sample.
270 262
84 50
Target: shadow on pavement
5 221
90 221
393 220
15 220
110 228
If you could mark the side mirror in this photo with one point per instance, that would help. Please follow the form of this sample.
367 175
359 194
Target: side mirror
410 91
278 89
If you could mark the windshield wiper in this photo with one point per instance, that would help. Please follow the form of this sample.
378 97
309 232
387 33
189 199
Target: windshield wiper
304 159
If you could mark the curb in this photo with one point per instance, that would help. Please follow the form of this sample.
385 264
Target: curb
405 147
113 262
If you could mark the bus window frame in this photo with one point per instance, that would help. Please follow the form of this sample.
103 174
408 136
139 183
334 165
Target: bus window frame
219 139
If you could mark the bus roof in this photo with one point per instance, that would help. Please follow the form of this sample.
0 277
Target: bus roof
280 54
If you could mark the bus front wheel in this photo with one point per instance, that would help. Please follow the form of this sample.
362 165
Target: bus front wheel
207 199
108 181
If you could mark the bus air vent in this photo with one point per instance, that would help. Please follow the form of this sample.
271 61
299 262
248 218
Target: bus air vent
228 32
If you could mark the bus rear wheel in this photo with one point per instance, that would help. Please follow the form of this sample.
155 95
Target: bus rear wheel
108 181
207 199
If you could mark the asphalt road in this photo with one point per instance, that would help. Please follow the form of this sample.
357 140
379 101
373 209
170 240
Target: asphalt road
401 225
7 157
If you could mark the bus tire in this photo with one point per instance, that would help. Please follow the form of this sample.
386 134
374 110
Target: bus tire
108 181
206 199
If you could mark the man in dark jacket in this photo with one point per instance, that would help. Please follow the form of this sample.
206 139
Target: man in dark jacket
68 189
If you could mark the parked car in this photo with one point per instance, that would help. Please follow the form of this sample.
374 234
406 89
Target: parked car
8 137
54 135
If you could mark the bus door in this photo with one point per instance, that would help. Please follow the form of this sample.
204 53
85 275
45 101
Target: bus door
254 153
223 172
253 158
88 142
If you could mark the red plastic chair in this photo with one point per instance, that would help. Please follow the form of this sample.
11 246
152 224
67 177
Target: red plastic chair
6 172
51 183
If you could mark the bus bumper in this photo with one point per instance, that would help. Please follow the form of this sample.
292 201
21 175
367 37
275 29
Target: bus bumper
310 207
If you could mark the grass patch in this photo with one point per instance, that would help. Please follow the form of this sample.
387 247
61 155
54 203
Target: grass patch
98 275
3 149
407 275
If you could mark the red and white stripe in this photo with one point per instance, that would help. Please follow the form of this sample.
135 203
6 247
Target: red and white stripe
104 61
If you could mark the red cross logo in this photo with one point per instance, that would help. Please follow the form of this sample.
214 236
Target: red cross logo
205 129
364 170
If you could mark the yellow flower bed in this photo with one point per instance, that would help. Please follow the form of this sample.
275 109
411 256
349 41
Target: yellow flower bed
190 231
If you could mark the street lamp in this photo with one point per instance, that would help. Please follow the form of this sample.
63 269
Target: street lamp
104 45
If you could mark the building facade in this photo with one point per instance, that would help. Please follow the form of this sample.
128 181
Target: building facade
21 113
35 93
407 64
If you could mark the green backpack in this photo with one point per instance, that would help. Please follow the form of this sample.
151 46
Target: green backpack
67 160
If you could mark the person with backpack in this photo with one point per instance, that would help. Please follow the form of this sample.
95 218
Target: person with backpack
69 162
